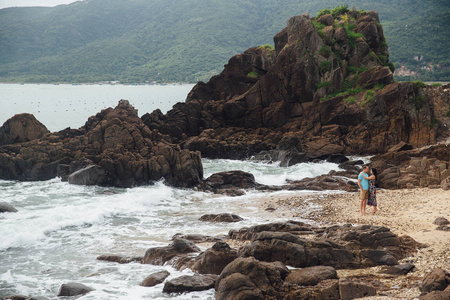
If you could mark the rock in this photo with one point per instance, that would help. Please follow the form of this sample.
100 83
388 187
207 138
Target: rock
437 280
425 167
190 283
91 175
370 240
73 289
248 278
402 269
326 20
5 207
443 228
436 295
199 238
155 278
297 252
160 255
311 275
445 184
122 151
215 259
230 182
441 221
323 183
343 246
351 290
233 116
223 218
119 259
402 146
21 128
294 227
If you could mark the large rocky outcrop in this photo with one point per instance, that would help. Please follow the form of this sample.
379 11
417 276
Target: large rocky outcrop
21 128
424 167
113 148
326 88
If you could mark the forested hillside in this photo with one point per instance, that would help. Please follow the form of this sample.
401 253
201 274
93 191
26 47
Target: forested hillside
190 40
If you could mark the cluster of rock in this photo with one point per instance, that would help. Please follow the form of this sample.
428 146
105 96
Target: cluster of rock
235 115
113 148
258 269
424 167
322 92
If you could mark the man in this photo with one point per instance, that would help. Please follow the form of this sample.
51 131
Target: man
363 183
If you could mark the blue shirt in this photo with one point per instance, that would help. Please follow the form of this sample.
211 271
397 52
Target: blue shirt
364 182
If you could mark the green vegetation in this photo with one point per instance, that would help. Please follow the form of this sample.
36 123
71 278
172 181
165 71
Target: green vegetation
368 97
418 84
436 84
161 40
323 84
335 12
325 66
267 47
351 100
319 27
253 74
325 51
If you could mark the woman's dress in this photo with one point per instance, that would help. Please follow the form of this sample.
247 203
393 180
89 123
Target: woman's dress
372 201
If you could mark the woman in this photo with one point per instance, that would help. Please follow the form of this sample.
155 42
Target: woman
372 200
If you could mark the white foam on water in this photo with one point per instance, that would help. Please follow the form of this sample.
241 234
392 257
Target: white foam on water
60 229
269 173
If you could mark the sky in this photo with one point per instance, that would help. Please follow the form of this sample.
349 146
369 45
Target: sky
9 3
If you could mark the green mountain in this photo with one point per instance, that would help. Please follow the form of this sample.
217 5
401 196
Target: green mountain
191 40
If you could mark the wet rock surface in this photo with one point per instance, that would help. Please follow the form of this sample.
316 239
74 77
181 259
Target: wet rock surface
161 255
73 289
155 278
5 207
189 283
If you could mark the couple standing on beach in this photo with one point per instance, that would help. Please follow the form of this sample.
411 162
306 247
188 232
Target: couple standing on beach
368 189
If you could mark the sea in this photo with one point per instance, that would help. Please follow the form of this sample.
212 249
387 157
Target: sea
60 229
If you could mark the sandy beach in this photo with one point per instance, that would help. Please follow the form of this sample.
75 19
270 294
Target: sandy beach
406 212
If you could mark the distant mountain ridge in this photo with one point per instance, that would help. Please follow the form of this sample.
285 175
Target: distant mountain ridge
187 41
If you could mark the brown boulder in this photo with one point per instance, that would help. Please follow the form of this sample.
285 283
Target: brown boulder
437 280
248 278
73 289
161 255
294 227
326 20
155 278
188 283
21 128
311 275
349 289
225 218
215 259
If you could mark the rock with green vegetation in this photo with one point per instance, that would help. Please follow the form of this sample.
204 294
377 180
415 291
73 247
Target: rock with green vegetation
334 92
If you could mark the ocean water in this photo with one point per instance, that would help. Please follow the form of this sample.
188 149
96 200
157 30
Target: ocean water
60 229
65 105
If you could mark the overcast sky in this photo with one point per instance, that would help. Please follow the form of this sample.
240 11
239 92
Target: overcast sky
9 3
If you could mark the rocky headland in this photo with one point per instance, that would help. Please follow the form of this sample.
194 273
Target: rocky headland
325 91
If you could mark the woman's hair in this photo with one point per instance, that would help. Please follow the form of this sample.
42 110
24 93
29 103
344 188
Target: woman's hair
374 171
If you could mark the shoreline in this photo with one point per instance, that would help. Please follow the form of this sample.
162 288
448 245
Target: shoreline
405 212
